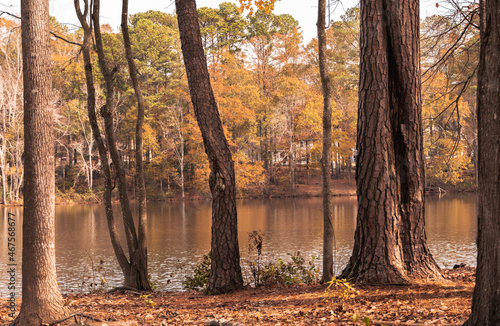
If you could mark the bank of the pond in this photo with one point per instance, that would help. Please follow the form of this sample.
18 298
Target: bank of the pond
304 188
445 302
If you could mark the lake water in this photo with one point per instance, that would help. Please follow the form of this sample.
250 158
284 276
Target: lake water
179 235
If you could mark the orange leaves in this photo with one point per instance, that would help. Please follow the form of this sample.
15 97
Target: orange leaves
267 5
423 304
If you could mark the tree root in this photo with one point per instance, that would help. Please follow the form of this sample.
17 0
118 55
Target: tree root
125 288
76 321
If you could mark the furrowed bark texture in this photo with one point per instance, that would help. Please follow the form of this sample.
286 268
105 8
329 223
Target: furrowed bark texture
486 298
326 157
390 242
225 273
42 301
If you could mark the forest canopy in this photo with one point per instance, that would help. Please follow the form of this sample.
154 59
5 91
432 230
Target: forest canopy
268 91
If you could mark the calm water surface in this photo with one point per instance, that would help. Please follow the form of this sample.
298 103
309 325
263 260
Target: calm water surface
179 235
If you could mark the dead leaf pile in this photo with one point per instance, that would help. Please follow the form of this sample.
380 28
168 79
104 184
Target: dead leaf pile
431 303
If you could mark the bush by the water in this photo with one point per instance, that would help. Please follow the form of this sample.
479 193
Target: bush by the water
263 273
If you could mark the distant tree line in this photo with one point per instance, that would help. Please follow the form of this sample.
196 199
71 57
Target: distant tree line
268 93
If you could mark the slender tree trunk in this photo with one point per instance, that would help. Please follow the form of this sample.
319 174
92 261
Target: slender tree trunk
140 259
390 241
326 158
181 167
103 154
307 161
225 273
130 230
91 163
4 183
42 301
11 188
135 276
3 166
291 157
486 298
3 148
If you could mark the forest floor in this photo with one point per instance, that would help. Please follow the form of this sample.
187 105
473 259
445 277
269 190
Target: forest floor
445 302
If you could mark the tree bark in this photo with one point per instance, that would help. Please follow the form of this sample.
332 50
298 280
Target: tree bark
103 154
326 157
225 273
136 275
390 241
486 298
141 253
42 302
133 268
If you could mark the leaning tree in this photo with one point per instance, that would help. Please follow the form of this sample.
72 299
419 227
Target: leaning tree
225 273
390 241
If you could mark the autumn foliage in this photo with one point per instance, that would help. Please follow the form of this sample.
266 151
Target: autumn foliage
268 90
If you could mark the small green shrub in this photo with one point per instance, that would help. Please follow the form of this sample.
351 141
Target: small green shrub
201 273
272 273
296 271
278 272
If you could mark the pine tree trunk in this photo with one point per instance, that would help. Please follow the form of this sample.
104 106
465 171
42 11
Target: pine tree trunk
390 242
326 158
225 273
42 302
486 298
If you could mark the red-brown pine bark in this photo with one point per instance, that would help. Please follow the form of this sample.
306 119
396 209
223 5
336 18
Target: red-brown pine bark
390 241
486 298
225 273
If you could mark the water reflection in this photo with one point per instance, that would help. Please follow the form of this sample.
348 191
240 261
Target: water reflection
451 226
179 235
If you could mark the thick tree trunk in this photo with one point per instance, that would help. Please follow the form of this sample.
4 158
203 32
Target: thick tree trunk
42 301
486 299
225 273
390 241
326 158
